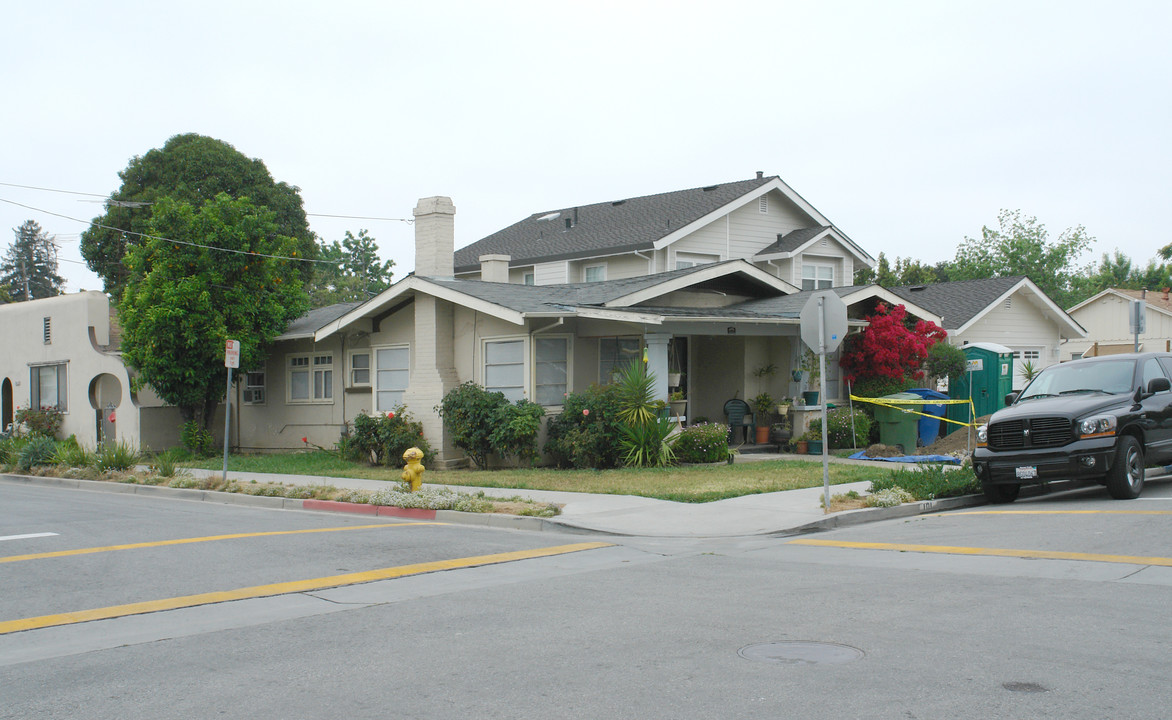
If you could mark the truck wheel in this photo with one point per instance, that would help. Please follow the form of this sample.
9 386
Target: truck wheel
1000 494
1126 479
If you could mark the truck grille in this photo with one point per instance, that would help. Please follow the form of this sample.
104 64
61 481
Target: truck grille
1031 433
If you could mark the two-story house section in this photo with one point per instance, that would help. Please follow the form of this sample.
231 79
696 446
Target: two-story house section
761 220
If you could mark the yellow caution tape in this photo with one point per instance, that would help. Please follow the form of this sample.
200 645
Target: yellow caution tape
894 404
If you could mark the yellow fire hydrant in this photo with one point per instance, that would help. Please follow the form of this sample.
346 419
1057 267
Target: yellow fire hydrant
413 473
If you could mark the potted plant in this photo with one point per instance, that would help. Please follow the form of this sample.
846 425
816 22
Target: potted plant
813 443
762 405
679 404
675 374
812 372
783 406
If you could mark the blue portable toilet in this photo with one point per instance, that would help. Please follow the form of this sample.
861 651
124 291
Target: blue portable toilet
929 427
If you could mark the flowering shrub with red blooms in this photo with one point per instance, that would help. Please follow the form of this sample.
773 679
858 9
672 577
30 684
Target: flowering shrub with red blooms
586 434
382 439
890 347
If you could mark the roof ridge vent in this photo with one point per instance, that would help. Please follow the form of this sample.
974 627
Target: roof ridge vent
709 188
618 202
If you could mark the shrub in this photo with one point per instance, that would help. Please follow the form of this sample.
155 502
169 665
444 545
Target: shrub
197 440
39 450
382 439
889 497
163 464
117 456
482 423
45 422
586 434
945 361
873 387
702 443
838 427
432 499
931 482
71 454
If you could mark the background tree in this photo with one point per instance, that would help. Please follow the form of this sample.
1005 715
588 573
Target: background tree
354 271
1022 246
192 169
182 301
29 270
1118 271
905 272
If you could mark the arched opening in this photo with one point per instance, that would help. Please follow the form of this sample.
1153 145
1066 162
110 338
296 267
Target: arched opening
105 396
5 404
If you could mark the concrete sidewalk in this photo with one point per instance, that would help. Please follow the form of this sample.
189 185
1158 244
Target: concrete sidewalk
788 512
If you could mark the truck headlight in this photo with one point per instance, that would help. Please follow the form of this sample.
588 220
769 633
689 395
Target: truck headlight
1097 425
982 434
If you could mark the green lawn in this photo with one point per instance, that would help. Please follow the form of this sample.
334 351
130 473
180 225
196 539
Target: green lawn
682 484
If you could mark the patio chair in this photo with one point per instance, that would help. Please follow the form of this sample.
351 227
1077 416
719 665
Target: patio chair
740 415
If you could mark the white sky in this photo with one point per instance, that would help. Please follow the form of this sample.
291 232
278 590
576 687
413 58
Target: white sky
908 124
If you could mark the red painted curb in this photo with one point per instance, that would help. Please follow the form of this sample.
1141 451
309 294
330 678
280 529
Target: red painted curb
358 508
413 513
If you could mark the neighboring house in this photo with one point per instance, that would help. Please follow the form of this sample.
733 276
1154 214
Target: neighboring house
761 220
62 352
1009 311
1106 317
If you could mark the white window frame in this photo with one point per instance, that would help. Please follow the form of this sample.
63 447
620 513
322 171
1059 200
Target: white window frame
528 279
586 272
254 388
816 276
510 391
318 390
61 385
376 379
569 384
690 259
351 371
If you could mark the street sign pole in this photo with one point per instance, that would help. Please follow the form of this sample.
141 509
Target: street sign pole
231 360
823 326
822 398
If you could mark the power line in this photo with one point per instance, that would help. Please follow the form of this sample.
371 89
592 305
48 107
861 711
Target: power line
176 242
133 203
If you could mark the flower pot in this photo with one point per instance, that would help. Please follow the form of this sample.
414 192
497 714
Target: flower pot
810 397
783 410
802 447
673 379
815 447
762 434
678 407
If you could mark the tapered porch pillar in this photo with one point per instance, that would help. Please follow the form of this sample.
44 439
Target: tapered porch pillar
657 362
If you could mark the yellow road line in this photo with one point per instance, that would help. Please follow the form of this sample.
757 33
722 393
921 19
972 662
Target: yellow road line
294 586
990 552
210 538
1063 512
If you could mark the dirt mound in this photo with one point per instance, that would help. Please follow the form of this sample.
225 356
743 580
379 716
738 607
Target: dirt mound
957 441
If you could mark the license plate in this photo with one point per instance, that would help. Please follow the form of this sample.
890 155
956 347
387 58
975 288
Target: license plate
1025 473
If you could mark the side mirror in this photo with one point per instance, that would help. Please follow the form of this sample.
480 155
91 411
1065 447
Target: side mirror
1011 398
1158 385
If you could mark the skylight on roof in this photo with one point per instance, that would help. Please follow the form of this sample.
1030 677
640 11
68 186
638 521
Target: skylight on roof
551 216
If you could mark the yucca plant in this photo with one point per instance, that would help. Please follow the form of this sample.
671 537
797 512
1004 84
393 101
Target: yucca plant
39 450
163 464
636 394
116 456
72 454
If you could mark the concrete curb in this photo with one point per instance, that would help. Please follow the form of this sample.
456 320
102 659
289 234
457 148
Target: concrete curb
851 518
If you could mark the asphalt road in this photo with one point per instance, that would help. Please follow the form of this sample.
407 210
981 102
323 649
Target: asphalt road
1049 608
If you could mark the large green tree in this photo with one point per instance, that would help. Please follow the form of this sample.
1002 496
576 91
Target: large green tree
193 169
353 271
1022 246
223 270
29 269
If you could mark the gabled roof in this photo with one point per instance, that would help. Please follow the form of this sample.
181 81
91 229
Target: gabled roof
1158 301
964 302
621 226
798 240
312 321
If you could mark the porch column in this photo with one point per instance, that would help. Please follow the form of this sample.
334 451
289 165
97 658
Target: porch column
657 362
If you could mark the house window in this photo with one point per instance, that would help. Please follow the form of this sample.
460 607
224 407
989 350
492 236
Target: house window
763 204
504 368
817 277
360 369
254 388
614 353
48 330
552 364
47 387
527 278
311 378
392 371
595 273
687 260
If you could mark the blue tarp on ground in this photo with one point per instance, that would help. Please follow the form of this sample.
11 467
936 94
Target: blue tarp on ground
909 458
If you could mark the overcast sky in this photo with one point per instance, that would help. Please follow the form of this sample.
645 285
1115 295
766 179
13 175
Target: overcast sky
908 124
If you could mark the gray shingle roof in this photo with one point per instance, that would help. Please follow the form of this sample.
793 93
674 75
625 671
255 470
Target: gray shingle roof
315 319
960 301
793 240
618 226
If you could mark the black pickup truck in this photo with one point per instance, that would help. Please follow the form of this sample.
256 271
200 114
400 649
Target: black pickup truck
1103 419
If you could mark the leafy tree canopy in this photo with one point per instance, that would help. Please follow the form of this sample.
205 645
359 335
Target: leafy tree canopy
353 273
182 301
905 272
191 169
890 347
29 269
1023 246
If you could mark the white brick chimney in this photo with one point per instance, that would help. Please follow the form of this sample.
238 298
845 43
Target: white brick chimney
494 268
435 237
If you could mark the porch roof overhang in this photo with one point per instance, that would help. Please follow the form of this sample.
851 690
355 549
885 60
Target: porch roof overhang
707 274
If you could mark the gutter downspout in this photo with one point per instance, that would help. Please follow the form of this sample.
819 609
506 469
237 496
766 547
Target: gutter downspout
650 261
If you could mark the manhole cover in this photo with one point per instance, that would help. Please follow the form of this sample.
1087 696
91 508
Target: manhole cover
801 653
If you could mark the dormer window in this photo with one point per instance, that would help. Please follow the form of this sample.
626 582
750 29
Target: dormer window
817 277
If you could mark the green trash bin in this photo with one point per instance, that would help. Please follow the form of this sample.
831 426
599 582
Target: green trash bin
897 427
